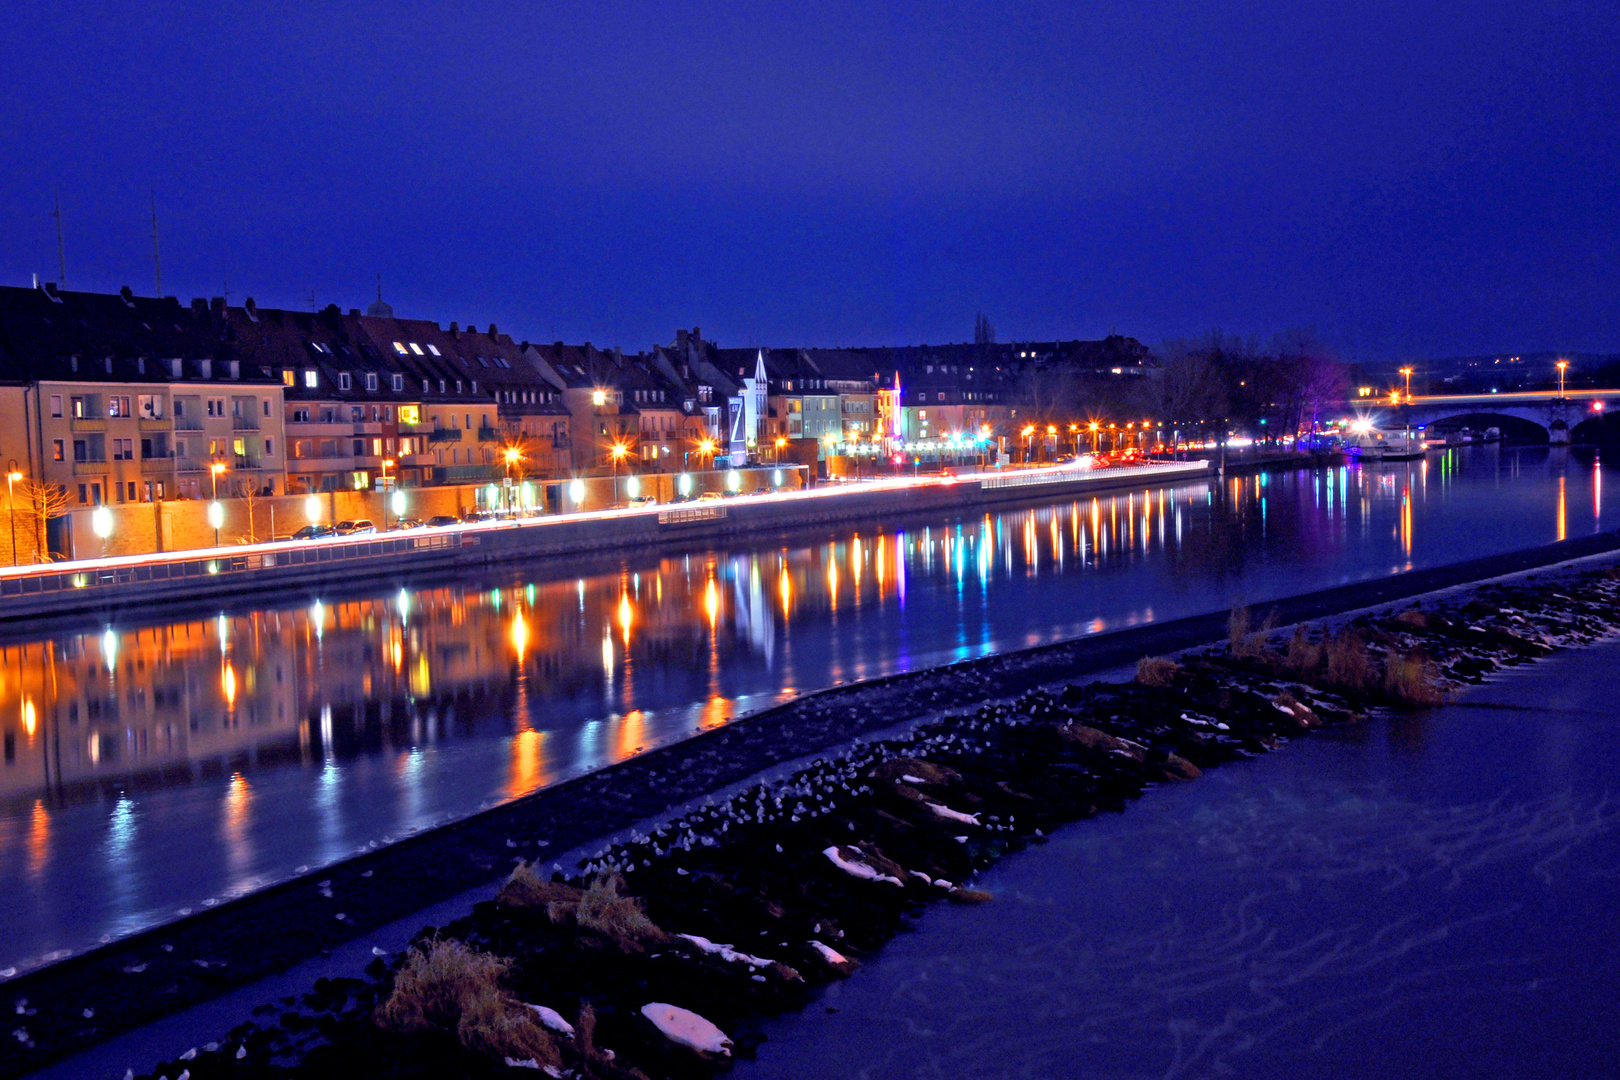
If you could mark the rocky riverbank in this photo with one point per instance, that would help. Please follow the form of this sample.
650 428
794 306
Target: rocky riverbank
660 955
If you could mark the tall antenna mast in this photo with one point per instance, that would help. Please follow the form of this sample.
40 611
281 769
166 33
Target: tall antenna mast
61 248
157 262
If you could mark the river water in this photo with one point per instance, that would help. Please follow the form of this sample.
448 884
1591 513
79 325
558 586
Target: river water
154 767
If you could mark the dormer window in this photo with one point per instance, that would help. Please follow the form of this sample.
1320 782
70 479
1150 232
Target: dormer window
399 384
343 380
371 381
312 378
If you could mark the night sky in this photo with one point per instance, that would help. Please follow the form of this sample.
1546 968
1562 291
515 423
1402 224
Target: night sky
1411 179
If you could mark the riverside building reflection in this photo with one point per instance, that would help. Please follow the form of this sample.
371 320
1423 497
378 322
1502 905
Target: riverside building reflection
224 751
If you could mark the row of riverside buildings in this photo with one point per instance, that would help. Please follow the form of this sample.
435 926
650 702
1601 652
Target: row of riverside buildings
122 398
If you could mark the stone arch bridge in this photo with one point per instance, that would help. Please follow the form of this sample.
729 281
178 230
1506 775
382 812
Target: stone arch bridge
1555 414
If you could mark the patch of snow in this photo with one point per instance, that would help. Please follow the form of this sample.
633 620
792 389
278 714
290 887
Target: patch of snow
687 1028
725 952
952 815
858 869
553 1019
829 954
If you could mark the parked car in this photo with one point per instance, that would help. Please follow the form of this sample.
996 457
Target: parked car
408 523
355 528
440 521
643 500
312 532
709 496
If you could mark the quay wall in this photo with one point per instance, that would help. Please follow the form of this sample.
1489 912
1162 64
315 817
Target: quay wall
113 587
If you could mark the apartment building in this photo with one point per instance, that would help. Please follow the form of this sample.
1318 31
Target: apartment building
130 399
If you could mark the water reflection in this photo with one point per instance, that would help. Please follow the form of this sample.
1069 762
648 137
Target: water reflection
463 695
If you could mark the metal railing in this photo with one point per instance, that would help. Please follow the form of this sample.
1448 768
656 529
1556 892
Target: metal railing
44 579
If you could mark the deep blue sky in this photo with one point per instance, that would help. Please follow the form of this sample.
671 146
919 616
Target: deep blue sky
1410 178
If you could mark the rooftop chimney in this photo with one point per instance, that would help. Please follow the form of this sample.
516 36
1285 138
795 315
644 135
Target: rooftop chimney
199 305
492 330
252 309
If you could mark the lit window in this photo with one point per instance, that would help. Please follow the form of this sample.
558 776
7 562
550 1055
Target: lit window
399 348
288 377
599 397
415 348
434 350
311 379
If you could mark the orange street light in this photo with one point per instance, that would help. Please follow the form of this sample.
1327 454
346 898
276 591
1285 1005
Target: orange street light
1562 364
216 513
12 476
1407 372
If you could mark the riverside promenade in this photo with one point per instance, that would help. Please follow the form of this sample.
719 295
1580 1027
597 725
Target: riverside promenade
156 581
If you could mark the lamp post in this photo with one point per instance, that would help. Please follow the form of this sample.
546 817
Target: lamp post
216 513
388 463
619 451
12 476
1562 364
513 455
1407 372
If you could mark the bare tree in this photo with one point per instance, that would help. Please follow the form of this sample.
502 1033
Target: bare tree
983 332
43 502
248 491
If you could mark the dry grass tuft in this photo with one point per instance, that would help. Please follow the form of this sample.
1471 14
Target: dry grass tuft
1413 680
525 888
1304 655
619 919
1349 667
1157 671
446 986
499 1026
1413 617
1243 642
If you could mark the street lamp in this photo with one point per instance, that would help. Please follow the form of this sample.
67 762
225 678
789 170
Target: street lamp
388 463
1406 371
1562 364
101 521
216 512
619 451
12 476
513 456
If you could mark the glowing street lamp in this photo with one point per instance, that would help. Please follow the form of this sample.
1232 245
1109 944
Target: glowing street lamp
12 476
512 456
619 452
388 463
216 512
1407 372
1562 365
101 521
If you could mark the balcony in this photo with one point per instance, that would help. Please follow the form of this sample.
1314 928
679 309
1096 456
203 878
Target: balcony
368 427
93 467
89 423
461 474
444 435
251 464
244 423
488 434
188 423
156 423
187 464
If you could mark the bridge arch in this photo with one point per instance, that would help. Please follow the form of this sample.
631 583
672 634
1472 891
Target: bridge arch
1515 429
